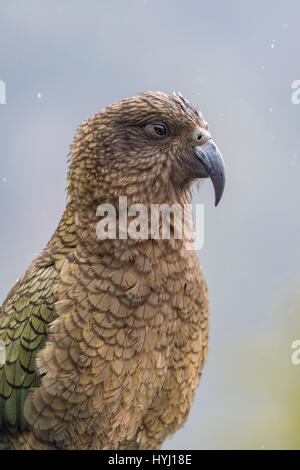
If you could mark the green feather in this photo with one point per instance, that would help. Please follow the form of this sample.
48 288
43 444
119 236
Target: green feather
24 319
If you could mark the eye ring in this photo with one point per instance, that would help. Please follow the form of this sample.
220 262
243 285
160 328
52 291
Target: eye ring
157 130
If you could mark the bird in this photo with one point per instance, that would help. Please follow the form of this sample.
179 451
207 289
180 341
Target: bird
105 339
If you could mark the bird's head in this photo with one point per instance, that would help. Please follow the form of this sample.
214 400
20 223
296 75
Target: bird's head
148 145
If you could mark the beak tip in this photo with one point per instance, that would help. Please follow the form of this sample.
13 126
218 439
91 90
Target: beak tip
218 198
219 185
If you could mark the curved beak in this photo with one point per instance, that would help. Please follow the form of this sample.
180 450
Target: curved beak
212 166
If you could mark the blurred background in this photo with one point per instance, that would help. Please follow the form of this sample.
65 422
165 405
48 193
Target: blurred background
64 60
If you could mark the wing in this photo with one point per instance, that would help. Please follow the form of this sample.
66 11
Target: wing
24 320
25 317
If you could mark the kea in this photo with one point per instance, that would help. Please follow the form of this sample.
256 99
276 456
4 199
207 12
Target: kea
105 338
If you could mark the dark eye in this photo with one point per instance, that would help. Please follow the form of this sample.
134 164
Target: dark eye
159 129
156 130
